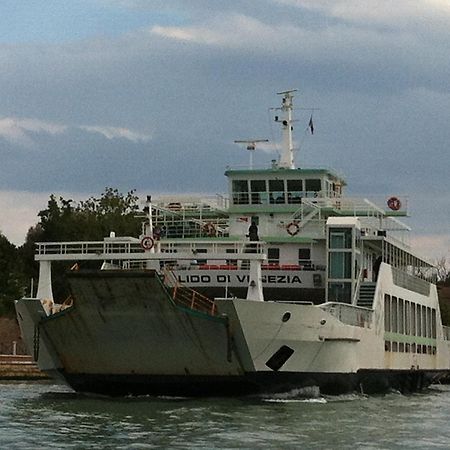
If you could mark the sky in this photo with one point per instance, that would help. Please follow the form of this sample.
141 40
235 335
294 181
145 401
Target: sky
150 95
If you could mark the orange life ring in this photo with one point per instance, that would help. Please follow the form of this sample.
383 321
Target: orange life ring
293 228
394 203
209 229
147 242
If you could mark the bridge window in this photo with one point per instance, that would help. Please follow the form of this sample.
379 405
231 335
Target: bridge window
240 192
258 189
295 191
313 185
276 191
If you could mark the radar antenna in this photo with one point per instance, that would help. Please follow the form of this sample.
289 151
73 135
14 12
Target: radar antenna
251 147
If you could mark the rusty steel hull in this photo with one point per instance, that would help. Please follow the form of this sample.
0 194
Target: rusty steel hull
126 324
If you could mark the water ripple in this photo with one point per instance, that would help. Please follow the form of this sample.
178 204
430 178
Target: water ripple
48 416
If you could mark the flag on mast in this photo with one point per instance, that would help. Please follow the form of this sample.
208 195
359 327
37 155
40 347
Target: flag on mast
311 125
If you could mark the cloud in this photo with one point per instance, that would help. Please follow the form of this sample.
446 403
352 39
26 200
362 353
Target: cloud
351 46
20 131
118 133
16 130
381 12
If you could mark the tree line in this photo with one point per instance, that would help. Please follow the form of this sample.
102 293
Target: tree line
63 220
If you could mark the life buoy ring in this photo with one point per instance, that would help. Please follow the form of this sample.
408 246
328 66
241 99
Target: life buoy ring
209 229
147 242
292 228
394 203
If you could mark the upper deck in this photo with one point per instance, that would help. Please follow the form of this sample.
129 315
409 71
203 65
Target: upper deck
281 186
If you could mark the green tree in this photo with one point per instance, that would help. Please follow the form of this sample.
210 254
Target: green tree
12 279
88 220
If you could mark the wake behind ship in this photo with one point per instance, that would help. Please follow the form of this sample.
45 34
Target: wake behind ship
283 284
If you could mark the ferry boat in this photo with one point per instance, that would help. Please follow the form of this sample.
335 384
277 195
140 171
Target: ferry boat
285 283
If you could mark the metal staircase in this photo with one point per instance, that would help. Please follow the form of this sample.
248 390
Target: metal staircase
307 205
366 294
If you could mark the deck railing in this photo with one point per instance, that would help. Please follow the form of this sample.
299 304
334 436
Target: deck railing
350 314
187 297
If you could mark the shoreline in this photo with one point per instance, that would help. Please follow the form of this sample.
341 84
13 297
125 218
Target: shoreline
20 367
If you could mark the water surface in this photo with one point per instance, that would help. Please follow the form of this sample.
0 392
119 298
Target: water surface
46 415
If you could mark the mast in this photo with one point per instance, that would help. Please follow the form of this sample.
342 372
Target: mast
287 150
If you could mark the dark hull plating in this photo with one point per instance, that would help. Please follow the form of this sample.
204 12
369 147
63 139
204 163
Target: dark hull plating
366 382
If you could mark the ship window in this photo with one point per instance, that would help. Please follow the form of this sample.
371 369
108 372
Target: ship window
231 262
304 257
433 323
258 185
313 185
273 255
424 321
401 316
240 192
304 253
341 238
340 265
258 189
387 312
394 324
407 317
419 320
428 322
201 250
276 191
295 191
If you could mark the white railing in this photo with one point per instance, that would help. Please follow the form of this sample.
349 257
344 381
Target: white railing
191 202
349 314
357 286
120 249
